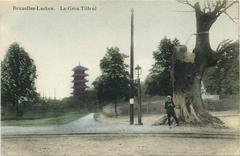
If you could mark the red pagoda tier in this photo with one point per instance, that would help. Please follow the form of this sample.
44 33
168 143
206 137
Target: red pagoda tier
79 81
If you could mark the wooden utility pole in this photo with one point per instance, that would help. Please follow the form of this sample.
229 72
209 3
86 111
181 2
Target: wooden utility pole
132 72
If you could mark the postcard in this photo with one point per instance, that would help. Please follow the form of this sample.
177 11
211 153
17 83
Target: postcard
119 77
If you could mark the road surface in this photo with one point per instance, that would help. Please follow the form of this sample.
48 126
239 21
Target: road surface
117 144
85 137
88 125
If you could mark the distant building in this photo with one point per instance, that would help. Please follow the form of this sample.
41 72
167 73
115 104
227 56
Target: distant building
79 80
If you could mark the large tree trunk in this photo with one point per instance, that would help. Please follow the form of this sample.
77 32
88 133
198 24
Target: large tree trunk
188 103
187 72
14 105
115 108
186 78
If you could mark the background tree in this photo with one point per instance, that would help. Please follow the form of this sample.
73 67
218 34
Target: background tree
158 81
18 74
114 81
223 79
188 68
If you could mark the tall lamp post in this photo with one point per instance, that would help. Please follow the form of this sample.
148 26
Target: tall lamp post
131 101
138 71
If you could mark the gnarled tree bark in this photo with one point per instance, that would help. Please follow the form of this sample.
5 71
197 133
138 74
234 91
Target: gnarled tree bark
188 68
187 75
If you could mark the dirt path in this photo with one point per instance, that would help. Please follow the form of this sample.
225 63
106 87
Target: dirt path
88 124
100 145
229 117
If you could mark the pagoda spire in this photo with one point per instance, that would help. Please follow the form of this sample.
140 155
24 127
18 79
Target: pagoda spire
79 81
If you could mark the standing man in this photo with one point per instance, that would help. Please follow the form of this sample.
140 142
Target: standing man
169 106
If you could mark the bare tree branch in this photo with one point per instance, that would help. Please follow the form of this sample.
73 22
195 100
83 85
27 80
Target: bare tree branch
213 9
213 4
219 5
207 7
186 2
231 18
225 8
222 45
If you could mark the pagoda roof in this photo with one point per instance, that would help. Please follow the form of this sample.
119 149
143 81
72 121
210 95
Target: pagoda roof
84 74
81 80
80 86
79 67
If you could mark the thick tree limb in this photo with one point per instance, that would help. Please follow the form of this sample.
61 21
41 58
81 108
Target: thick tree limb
223 47
219 6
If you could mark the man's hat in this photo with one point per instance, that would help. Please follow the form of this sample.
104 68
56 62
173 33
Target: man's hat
168 96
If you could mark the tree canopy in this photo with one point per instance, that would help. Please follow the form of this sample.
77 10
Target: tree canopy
114 80
18 75
158 81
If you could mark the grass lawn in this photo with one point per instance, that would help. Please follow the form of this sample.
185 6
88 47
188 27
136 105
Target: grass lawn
58 120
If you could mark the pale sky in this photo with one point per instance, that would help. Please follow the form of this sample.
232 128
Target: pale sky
58 40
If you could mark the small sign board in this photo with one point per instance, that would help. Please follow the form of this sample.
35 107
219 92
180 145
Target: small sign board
131 101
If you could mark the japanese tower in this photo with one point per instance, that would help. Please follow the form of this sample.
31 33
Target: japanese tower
79 81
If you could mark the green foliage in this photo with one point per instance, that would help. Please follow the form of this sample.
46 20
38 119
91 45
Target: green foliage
86 101
224 77
164 53
18 74
158 81
159 84
113 83
49 108
45 120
